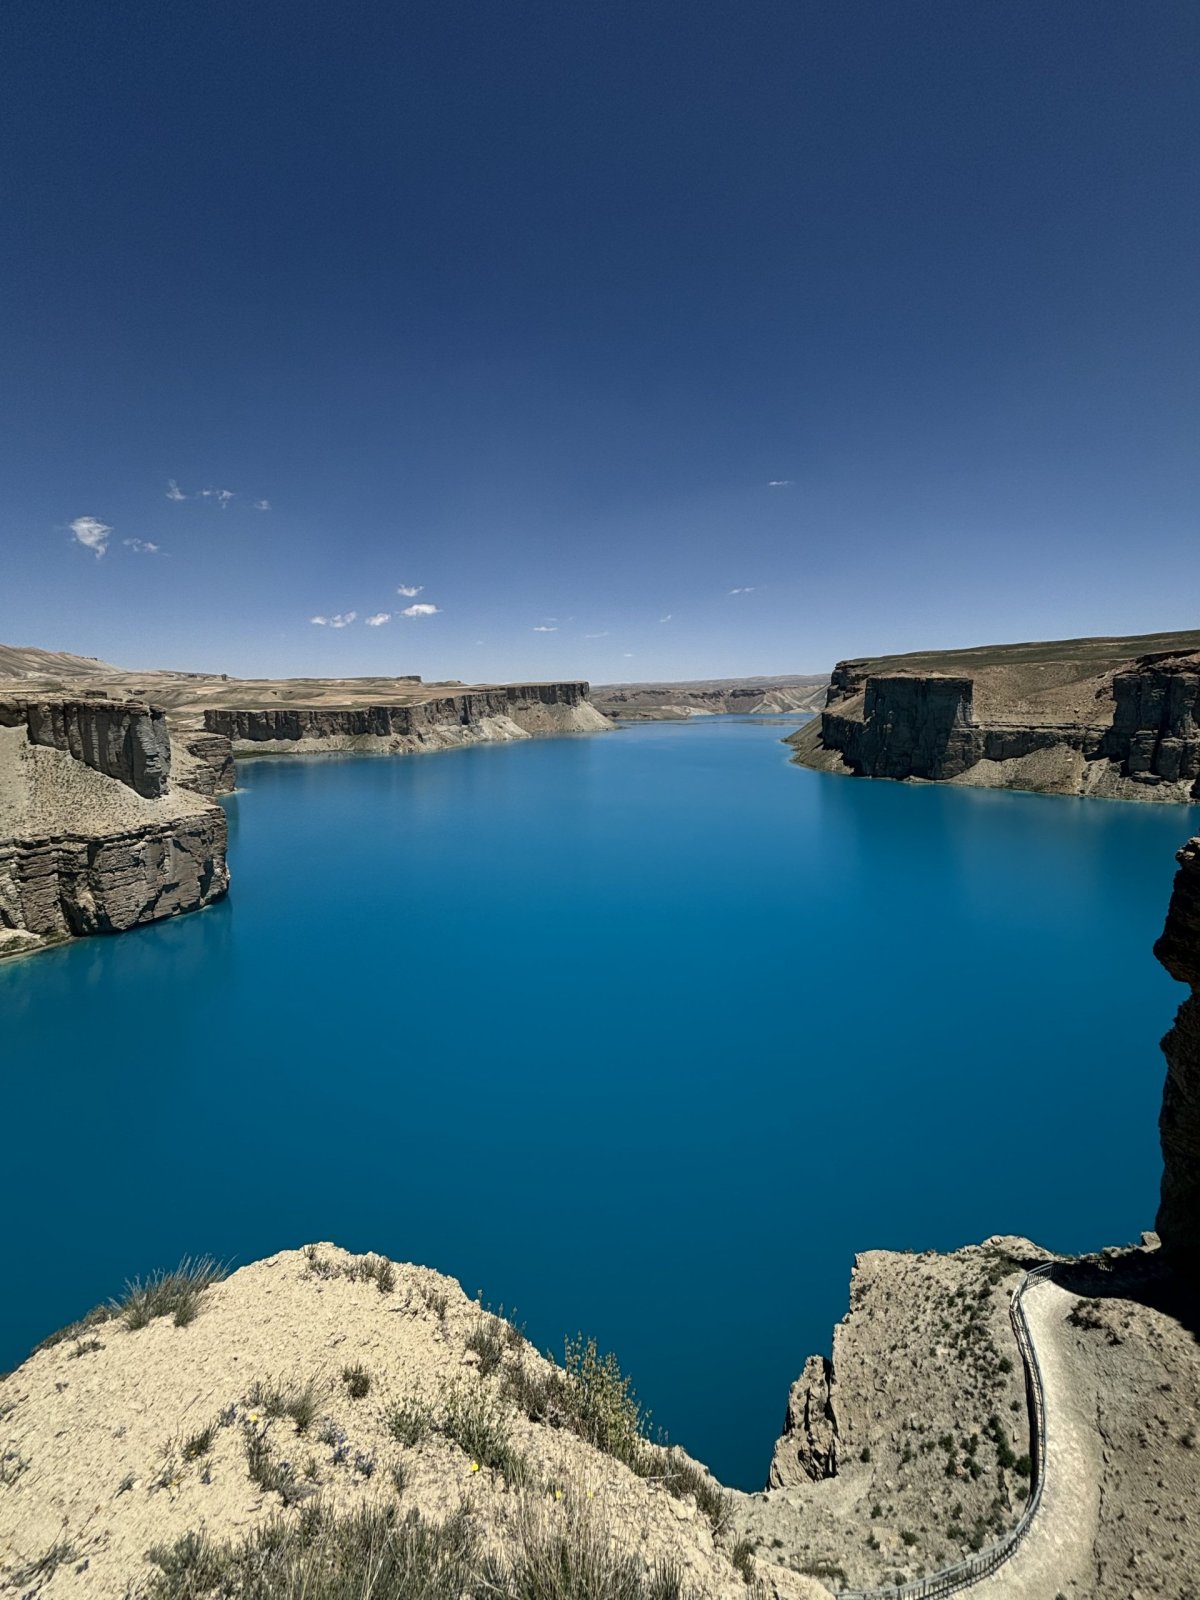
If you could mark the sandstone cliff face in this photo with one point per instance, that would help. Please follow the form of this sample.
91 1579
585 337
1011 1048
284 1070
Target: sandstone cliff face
125 740
509 711
94 838
1179 1125
1141 743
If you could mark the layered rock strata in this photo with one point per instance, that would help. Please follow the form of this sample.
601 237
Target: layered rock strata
1179 1124
509 711
123 739
84 848
1129 733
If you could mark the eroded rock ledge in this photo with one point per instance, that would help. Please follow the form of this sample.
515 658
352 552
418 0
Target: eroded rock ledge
1053 723
94 836
507 711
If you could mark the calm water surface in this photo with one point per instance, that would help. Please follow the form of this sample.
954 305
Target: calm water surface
645 1034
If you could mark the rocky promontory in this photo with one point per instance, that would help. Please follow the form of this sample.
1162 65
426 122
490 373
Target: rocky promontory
94 835
1118 718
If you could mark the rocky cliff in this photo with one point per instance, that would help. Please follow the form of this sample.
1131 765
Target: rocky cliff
1064 718
94 836
507 711
1179 1125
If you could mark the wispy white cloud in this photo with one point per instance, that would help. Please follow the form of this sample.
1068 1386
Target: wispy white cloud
341 619
410 590
174 492
319 622
378 620
262 505
628 654
91 533
543 628
781 483
420 611
746 589
221 496
668 617
141 547
603 635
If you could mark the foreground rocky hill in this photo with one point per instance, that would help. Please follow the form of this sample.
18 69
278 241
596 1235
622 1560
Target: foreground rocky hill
1118 718
676 702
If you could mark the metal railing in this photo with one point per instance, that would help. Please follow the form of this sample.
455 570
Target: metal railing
964 1573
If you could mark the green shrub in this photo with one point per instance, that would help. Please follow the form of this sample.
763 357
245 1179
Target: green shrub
300 1402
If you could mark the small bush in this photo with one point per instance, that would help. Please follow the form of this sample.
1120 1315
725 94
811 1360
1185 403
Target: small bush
909 1537
200 1443
84 1347
168 1294
487 1340
410 1421
477 1426
300 1402
12 1466
357 1380
437 1301
742 1556
270 1474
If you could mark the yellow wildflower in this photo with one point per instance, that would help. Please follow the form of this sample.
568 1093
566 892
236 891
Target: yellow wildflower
474 1466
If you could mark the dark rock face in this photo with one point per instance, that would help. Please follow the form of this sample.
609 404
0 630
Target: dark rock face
1155 732
1179 1124
125 740
913 727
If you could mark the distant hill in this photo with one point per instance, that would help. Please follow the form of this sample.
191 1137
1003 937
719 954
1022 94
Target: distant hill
26 661
699 697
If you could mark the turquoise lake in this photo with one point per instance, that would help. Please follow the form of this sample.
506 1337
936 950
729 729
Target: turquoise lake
644 1034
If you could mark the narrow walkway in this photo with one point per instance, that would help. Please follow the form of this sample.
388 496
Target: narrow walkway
1056 1554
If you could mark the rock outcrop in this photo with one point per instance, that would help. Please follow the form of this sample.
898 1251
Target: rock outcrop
807 1450
94 837
1179 951
123 739
1052 723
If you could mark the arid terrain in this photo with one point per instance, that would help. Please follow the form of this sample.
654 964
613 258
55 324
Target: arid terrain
674 702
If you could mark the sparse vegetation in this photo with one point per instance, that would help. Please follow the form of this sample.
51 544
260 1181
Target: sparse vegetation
357 1380
174 1294
476 1424
200 1443
42 1568
84 1347
742 1556
487 1340
409 1421
323 1556
270 1473
300 1402
12 1466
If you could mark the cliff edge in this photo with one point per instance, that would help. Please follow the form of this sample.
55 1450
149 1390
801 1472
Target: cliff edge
94 835
1117 718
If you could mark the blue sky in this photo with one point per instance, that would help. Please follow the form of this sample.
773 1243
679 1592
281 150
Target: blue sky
643 339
